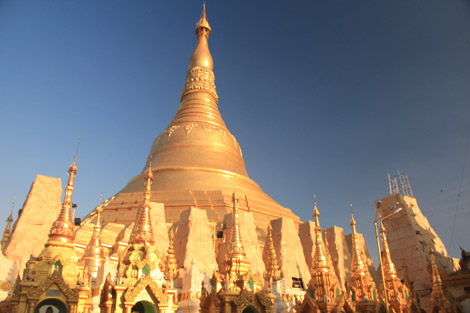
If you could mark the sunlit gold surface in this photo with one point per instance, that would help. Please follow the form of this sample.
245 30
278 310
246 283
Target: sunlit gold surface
143 230
389 266
196 160
94 254
141 257
59 247
396 294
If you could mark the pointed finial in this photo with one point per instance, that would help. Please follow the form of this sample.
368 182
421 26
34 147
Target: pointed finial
10 218
315 213
203 23
148 184
201 56
353 223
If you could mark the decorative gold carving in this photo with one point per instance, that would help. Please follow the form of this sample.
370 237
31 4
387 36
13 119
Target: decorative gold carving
55 278
261 301
152 287
6 285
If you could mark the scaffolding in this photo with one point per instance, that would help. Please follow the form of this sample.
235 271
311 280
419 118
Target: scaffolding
399 184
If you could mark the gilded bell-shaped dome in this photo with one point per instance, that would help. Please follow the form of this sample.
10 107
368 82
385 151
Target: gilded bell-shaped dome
196 161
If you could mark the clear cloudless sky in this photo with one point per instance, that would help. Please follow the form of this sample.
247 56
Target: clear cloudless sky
325 97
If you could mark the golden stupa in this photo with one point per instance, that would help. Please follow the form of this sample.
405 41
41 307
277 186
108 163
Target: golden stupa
196 161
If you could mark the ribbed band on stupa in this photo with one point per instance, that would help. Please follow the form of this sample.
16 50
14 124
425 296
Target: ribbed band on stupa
196 161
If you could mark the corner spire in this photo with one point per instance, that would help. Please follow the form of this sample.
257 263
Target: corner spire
357 265
63 229
389 266
143 230
439 296
323 282
320 259
361 280
6 233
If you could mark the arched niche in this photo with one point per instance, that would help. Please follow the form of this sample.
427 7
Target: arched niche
144 307
51 305
250 309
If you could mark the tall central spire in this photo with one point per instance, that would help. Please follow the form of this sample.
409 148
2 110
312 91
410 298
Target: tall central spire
196 160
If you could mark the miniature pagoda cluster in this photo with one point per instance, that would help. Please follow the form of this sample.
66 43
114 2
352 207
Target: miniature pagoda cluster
126 257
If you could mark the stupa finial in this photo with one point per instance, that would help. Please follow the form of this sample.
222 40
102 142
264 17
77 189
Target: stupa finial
63 228
201 56
316 213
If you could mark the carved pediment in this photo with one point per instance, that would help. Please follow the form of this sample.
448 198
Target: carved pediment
146 283
55 278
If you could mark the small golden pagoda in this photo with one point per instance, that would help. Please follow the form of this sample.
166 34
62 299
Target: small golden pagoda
361 287
397 294
55 279
140 284
441 301
241 290
323 293
236 264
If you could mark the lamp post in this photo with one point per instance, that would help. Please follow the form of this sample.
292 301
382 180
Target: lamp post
380 219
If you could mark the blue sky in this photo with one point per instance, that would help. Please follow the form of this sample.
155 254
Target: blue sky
325 97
